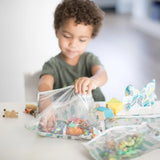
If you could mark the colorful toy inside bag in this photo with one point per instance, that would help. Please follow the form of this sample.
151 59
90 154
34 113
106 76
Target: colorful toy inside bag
123 142
143 98
71 112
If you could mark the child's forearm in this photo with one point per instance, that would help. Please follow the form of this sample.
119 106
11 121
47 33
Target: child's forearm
45 83
44 87
99 76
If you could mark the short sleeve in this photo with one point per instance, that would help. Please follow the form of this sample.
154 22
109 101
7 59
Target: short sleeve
48 68
92 60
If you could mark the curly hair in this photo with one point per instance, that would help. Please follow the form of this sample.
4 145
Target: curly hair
83 11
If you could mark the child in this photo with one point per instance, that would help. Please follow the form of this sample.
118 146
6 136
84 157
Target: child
76 22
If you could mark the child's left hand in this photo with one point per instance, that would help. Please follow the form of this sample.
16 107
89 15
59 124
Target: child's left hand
84 84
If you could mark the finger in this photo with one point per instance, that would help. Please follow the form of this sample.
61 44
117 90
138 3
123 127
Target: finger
85 86
89 88
79 85
82 86
54 119
50 123
43 124
76 86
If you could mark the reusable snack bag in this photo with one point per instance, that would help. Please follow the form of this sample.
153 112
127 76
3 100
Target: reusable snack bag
72 114
123 142
152 120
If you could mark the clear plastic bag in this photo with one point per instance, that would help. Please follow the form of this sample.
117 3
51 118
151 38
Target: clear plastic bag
72 114
123 142
152 120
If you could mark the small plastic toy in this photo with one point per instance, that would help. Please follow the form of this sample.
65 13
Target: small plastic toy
115 105
104 113
31 109
10 114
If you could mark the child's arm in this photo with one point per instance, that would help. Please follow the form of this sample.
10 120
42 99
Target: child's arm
45 83
47 121
98 79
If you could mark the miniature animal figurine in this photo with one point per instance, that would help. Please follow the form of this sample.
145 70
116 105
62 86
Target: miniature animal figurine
10 114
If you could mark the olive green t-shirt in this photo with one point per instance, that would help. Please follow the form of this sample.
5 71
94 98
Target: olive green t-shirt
66 75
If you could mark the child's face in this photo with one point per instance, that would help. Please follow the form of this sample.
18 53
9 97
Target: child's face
73 39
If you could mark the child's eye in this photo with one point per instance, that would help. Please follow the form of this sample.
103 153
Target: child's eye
83 40
66 36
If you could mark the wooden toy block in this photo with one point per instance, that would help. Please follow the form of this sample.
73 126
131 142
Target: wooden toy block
101 115
104 113
10 114
115 105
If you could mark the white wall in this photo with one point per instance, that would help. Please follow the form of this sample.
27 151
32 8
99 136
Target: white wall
105 3
27 40
140 8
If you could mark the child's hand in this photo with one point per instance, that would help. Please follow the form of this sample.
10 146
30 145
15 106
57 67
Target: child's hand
48 121
84 84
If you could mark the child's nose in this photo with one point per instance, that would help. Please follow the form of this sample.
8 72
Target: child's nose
73 43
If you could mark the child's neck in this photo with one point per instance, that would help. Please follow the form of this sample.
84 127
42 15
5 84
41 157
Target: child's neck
70 61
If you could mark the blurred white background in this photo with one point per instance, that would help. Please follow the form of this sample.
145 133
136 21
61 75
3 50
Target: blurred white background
27 40
128 44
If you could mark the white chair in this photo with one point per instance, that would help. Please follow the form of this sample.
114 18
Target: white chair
31 86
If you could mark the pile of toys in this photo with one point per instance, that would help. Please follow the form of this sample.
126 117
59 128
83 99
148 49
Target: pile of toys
113 107
72 129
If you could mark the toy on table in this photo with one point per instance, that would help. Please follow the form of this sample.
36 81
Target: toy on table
143 98
115 105
31 109
10 114
104 113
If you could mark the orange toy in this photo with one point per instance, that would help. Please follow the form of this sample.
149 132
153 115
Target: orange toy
10 114
31 109
75 131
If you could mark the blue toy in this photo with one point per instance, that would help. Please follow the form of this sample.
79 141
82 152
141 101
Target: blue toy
104 113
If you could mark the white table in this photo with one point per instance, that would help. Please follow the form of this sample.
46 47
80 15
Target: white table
18 143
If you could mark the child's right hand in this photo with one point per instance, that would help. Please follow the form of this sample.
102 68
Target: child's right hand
84 84
48 121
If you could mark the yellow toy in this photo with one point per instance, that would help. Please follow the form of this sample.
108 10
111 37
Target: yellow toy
10 114
115 105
